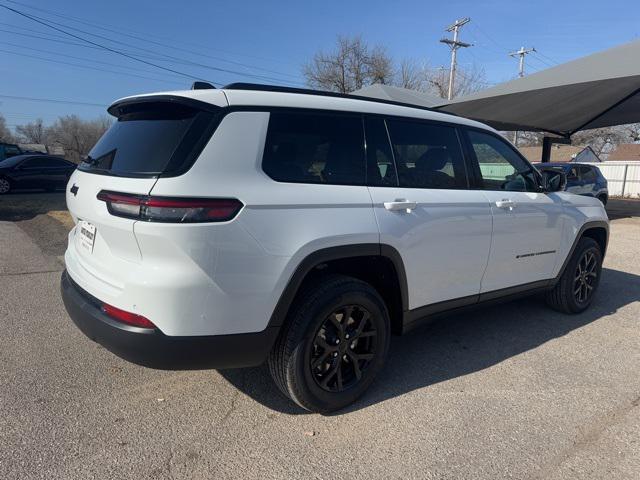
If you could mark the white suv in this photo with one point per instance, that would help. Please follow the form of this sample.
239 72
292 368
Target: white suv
229 227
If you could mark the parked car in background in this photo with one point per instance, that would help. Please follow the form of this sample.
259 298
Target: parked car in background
8 150
35 171
582 179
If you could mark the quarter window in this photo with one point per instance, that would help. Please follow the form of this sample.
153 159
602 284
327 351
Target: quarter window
315 148
426 155
500 167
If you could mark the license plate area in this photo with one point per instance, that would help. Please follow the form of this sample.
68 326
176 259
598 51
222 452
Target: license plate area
86 235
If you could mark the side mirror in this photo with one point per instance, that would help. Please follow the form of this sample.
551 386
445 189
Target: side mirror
553 180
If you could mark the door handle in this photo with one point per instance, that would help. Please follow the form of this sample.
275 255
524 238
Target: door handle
506 203
400 204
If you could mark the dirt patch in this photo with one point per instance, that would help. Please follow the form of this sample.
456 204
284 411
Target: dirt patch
42 216
25 206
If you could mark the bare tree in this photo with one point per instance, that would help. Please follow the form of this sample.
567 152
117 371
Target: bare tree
33 132
351 66
380 66
602 140
75 135
411 76
5 134
468 80
631 132
529 139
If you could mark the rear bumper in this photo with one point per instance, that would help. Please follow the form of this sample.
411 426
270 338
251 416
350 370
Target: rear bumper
154 349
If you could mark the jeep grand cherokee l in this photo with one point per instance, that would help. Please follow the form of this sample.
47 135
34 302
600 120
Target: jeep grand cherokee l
248 224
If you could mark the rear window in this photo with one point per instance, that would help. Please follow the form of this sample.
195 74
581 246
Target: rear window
315 148
427 155
149 139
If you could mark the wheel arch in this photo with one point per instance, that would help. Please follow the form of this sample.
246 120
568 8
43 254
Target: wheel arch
598 230
377 264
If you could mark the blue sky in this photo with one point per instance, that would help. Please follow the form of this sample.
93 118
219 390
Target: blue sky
271 39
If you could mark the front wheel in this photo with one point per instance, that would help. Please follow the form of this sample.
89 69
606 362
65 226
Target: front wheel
5 185
575 290
333 345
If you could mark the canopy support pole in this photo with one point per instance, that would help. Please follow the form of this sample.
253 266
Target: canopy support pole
546 146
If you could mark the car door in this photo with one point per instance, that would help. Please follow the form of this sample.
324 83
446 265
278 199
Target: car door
28 173
588 180
57 172
45 172
527 223
425 210
574 184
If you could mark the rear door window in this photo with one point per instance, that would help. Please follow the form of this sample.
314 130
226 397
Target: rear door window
381 170
587 174
427 155
149 139
314 147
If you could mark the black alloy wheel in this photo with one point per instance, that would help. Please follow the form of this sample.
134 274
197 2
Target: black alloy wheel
586 276
575 289
343 348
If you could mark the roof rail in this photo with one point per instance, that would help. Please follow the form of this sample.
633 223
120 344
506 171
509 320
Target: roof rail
307 91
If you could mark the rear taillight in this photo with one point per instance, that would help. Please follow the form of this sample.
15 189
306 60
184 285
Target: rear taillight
170 209
127 317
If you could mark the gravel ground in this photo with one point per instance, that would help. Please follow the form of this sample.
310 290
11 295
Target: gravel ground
513 391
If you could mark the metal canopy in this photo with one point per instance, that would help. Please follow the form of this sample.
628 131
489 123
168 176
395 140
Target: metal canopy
398 94
600 90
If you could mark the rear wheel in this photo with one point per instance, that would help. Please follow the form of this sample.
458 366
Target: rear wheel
5 185
335 342
575 290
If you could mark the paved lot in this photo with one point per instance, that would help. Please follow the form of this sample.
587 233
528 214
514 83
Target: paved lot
515 391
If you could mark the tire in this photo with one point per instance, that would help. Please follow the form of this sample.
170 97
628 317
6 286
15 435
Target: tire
603 199
580 271
343 370
5 185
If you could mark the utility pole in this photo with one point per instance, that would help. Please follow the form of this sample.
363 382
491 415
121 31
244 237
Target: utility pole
454 45
520 53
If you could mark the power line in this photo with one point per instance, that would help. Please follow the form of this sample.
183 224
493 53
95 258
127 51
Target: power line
26 15
122 30
77 65
53 100
84 59
146 39
542 60
490 38
549 58
160 56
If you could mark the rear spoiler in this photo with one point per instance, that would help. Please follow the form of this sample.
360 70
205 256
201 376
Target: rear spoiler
118 108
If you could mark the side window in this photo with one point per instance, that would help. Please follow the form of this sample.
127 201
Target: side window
587 174
427 155
315 148
573 173
500 167
56 162
11 150
381 171
34 162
